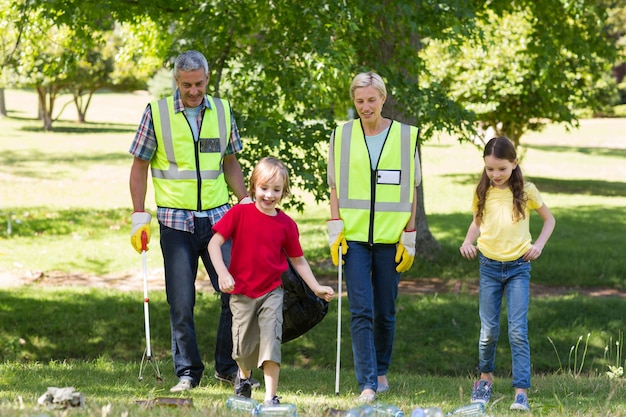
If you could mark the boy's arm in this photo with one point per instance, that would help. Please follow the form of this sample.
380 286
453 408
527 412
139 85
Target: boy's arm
303 268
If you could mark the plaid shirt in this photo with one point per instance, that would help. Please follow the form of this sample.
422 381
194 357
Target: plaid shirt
144 147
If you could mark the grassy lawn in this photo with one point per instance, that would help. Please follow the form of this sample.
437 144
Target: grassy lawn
65 209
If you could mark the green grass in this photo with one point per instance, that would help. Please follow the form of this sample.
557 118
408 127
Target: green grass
93 339
66 196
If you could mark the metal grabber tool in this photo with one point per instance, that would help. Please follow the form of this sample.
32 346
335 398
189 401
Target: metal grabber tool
147 354
339 293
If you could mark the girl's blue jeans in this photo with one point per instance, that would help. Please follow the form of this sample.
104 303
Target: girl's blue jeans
372 285
513 280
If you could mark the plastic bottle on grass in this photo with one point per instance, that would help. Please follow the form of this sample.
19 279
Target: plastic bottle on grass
387 410
242 404
276 410
427 412
364 410
474 409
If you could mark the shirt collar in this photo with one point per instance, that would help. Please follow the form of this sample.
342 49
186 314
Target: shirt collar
179 106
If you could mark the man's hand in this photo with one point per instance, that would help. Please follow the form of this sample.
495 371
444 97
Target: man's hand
141 223
336 238
405 252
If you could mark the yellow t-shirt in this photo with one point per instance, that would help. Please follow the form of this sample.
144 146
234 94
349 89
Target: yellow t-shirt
501 238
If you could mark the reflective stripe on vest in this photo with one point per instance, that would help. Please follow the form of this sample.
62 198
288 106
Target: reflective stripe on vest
381 220
188 174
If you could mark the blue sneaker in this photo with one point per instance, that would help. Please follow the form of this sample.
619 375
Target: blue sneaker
274 401
521 403
243 387
482 391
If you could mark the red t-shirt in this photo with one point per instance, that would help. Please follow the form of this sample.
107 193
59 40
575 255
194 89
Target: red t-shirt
260 246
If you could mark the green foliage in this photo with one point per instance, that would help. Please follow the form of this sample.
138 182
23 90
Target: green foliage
527 69
161 84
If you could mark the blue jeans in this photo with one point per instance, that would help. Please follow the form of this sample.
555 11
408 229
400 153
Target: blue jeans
496 279
372 284
181 251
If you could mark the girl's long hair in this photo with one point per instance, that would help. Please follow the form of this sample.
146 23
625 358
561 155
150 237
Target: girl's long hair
502 148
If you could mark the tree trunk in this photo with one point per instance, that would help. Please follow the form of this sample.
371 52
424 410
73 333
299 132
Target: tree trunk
3 107
426 245
44 110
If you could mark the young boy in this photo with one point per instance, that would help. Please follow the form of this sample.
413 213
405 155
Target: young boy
262 239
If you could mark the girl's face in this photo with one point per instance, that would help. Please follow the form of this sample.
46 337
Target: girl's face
499 170
268 194
368 103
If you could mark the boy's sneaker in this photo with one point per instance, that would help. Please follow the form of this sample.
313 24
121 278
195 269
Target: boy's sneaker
482 391
521 403
275 400
243 387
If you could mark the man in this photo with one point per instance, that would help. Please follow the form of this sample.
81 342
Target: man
190 141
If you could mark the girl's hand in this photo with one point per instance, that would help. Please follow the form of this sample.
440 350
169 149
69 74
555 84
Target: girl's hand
468 251
533 253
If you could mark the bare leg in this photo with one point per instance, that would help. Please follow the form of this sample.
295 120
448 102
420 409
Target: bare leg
521 391
271 371
244 373
487 377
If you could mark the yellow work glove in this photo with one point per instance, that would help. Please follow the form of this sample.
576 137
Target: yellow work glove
141 223
405 252
336 238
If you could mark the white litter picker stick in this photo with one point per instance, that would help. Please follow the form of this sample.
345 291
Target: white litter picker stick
147 355
339 293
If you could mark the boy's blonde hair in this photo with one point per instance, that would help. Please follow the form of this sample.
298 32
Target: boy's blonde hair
266 170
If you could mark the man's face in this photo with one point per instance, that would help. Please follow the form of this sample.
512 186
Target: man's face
192 86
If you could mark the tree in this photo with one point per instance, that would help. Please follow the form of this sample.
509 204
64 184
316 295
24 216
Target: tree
286 65
44 61
124 59
288 69
65 47
11 29
538 63
615 28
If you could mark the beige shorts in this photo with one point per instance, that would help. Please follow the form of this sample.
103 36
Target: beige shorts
257 328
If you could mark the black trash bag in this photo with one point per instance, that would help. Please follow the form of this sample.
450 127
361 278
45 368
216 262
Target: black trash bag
302 309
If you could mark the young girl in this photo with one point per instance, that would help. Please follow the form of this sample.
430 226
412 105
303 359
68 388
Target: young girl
262 239
502 204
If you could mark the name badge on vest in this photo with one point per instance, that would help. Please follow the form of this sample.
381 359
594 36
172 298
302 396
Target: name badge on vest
388 177
209 145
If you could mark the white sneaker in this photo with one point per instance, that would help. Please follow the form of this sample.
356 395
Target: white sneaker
184 384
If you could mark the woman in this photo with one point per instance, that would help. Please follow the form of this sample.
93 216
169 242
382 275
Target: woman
373 169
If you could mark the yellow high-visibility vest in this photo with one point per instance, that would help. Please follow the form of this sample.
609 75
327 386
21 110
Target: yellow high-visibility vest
188 174
375 205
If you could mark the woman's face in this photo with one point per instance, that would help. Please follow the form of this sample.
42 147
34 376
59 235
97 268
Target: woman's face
368 103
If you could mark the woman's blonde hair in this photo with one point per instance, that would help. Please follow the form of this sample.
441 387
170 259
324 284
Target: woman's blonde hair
268 169
368 79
